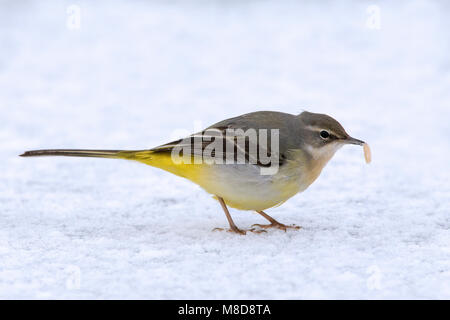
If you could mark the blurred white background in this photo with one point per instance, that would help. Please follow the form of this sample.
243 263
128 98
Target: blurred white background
135 74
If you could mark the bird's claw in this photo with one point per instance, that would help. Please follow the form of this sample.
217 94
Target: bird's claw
239 231
276 225
236 230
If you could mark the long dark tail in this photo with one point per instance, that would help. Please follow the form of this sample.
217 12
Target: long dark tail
114 154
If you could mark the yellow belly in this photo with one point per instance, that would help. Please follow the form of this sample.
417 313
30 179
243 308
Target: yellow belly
240 185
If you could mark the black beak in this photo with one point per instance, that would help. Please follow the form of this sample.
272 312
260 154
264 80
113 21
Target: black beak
351 140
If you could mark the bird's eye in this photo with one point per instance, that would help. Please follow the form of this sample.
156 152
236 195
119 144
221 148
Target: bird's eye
324 134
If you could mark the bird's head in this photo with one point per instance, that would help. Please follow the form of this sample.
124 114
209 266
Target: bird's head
322 136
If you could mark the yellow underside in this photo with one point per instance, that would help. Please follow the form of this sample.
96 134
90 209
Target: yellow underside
204 176
162 160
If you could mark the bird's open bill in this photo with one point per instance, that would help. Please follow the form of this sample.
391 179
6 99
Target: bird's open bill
365 145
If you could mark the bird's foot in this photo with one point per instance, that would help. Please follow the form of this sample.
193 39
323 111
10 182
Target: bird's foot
276 225
239 231
234 230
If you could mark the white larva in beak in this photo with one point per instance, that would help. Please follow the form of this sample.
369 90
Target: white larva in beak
367 153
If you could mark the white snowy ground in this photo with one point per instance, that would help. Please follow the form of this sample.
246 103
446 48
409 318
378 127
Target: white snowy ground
138 74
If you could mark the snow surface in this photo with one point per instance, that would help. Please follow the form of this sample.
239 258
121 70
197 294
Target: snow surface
137 74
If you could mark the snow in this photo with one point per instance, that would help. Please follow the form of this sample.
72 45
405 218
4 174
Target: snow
138 74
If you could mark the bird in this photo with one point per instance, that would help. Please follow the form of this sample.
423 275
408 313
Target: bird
251 162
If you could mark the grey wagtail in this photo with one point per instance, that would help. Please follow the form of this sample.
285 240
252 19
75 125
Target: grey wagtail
228 158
